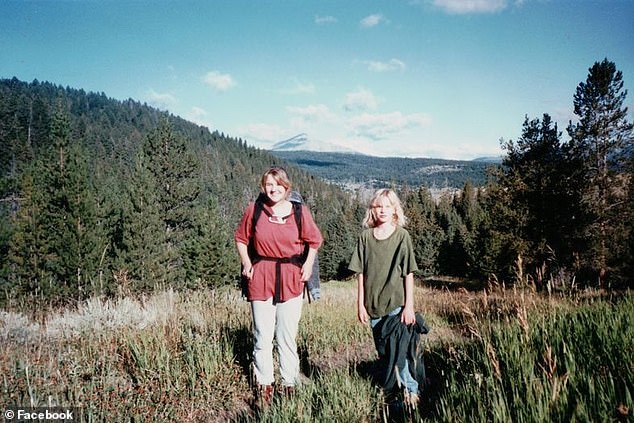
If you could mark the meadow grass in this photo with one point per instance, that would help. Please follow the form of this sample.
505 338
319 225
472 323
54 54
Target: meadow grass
501 355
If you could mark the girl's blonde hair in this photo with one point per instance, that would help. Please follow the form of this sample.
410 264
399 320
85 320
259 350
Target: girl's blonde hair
369 221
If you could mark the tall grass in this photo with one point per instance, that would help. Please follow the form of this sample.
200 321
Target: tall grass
556 364
506 356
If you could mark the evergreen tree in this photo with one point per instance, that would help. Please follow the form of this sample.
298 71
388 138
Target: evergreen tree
626 270
500 242
53 245
468 207
452 258
210 257
140 234
598 149
426 235
336 217
27 247
174 170
69 214
534 171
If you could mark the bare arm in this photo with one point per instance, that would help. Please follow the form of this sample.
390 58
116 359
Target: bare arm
407 316
362 313
247 266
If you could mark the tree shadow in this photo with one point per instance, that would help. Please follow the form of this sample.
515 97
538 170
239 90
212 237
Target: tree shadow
369 370
241 340
431 384
455 284
307 367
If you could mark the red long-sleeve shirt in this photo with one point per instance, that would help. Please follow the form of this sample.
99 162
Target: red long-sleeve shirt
277 241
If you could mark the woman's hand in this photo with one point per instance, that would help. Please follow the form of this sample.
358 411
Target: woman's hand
307 271
307 267
247 270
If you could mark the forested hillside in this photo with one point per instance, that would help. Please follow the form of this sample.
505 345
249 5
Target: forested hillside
100 196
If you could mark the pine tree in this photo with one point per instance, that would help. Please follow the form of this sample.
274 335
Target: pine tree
209 254
500 241
626 270
54 240
534 171
27 246
68 214
468 207
599 147
139 234
173 169
426 235
452 258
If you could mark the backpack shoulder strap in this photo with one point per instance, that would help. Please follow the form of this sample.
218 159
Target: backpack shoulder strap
257 211
297 211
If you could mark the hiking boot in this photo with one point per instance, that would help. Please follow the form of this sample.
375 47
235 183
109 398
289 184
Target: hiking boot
264 396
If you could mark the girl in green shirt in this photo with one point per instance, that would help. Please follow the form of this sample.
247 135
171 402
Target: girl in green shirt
384 263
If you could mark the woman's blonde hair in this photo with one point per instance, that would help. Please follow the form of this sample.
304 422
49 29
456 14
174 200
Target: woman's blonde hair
280 176
369 221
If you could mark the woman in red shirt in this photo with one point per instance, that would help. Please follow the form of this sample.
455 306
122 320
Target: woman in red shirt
276 278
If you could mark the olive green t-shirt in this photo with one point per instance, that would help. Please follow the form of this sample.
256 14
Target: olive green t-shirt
384 264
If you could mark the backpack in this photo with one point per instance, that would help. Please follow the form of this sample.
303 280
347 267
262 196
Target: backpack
312 287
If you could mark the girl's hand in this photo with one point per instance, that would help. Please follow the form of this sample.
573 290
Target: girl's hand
362 314
408 316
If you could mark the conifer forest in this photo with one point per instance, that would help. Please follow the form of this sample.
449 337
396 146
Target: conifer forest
107 197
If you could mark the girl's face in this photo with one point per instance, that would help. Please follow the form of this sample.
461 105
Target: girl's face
383 211
273 190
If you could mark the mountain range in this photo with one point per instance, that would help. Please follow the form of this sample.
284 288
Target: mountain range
302 142
349 168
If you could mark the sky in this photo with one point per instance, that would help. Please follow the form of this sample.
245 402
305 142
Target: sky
419 78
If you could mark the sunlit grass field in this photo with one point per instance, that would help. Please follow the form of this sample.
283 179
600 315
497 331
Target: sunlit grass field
497 355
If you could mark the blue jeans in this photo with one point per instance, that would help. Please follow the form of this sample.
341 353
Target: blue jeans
410 382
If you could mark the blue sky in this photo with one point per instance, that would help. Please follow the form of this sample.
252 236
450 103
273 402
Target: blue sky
419 78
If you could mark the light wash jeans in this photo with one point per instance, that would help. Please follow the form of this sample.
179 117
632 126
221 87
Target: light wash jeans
282 321
410 382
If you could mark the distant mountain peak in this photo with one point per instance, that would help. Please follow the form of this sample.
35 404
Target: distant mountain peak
298 142
302 142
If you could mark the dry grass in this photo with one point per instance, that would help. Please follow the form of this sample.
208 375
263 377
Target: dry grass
185 356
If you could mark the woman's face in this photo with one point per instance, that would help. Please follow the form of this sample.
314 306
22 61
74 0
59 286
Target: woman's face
273 190
383 211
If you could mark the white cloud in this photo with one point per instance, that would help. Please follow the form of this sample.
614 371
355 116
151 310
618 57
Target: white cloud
311 113
389 66
198 115
300 87
362 99
198 112
564 114
372 20
219 81
387 125
470 6
261 134
324 20
161 100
